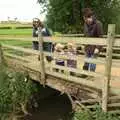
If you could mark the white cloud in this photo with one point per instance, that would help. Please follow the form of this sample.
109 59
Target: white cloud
24 10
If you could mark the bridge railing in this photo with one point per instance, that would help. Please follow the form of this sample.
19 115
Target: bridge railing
99 79
110 43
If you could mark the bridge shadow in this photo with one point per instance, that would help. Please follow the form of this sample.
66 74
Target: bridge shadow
51 105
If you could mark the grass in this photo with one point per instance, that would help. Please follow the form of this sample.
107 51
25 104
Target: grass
96 115
13 25
26 44
16 32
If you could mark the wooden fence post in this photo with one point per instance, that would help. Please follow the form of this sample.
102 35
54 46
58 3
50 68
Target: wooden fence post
108 66
1 55
42 64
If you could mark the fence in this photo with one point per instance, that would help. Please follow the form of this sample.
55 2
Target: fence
104 77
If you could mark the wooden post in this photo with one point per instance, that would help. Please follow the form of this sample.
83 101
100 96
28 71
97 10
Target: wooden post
1 55
108 65
42 64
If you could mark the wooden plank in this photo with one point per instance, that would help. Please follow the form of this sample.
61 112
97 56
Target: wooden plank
90 101
77 71
105 91
75 80
16 38
114 105
42 64
114 54
114 90
26 50
116 63
103 53
76 40
114 97
116 48
117 42
17 57
82 35
80 57
81 40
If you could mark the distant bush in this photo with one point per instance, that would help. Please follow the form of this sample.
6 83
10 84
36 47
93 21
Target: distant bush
30 27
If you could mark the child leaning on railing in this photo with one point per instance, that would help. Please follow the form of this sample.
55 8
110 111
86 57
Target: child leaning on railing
71 53
59 51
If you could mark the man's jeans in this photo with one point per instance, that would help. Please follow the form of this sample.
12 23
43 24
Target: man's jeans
89 66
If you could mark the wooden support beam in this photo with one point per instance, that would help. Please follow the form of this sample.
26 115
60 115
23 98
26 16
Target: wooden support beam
108 65
42 64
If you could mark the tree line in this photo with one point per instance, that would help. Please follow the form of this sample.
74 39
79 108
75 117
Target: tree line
65 16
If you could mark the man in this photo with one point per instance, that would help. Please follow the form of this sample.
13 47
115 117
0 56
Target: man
92 28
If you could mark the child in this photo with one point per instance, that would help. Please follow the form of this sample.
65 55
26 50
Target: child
71 53
59 49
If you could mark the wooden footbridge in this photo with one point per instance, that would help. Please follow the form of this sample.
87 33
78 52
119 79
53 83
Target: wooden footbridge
87 88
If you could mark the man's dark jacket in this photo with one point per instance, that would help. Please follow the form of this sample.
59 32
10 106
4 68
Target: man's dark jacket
93 30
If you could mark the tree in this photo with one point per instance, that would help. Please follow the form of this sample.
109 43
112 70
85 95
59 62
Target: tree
66 15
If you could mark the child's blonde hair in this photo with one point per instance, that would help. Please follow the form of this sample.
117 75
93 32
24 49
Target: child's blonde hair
71 46
59 46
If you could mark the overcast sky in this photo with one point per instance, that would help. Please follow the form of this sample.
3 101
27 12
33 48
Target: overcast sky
24 10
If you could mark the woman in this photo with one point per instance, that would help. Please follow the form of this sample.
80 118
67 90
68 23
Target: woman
47 46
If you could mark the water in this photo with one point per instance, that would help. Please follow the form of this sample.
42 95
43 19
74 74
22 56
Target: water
52 106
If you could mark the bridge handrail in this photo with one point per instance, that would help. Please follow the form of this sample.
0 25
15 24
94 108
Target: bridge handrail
76 40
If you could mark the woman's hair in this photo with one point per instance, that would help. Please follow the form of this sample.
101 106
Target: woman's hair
87 12
37 22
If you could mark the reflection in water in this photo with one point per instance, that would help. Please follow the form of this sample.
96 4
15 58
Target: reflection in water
53 107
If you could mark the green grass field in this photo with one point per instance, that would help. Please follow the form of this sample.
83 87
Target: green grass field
14 25
25 32
25 44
